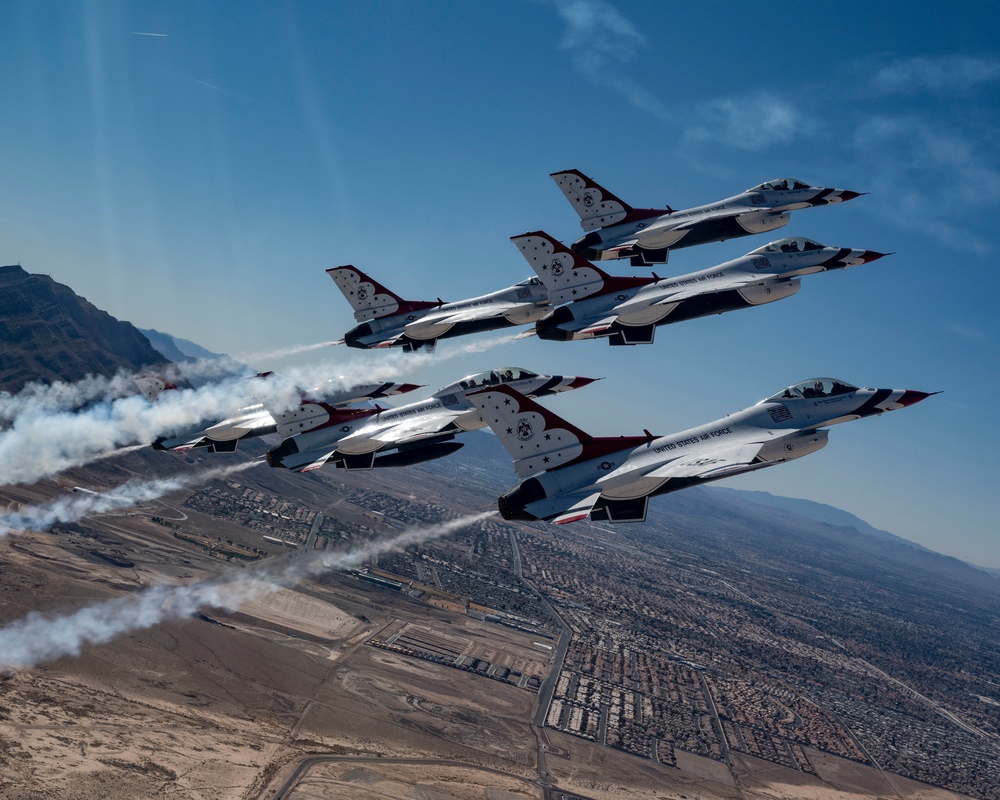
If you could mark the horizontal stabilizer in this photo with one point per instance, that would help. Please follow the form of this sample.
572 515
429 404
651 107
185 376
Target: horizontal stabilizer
580 509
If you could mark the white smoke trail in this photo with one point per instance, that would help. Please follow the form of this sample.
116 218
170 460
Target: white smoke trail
47 439
74 507
38 638
486 344
44 444
293 350
38 397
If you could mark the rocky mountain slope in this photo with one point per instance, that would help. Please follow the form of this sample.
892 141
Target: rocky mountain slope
48 333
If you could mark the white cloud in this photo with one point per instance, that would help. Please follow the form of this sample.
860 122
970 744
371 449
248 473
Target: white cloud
600 41
950 74
751 122
939 177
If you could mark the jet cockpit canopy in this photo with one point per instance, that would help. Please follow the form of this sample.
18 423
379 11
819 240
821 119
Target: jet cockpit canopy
494 377
814 387
780 185
793 245
534 280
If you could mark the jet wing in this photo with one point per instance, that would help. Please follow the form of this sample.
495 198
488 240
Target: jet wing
409 430
728 460
464 315
734 282
722 213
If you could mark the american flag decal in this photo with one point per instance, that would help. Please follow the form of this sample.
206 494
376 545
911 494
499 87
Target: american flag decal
780 413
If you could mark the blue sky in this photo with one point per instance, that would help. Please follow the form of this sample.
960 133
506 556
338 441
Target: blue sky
195 167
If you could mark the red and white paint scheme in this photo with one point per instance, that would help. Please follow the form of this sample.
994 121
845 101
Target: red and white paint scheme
614 229
387 320
569 475
626 311
408 434
298 408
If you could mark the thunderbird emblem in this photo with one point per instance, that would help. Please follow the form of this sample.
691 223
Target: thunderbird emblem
556 268
524 431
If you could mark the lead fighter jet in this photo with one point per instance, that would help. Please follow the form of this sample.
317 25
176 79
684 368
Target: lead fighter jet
387 320
614 229
569 475
408 434
627 310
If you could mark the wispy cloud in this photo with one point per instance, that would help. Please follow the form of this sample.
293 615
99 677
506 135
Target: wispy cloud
951 74
751 122
600 41
931 159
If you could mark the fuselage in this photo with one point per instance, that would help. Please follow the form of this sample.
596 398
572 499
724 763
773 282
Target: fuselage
651 232
765 275
776 430
521 304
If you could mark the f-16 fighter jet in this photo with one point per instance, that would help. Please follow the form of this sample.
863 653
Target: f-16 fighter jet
627 310
569 475
421 431
614 229
387 320
255 420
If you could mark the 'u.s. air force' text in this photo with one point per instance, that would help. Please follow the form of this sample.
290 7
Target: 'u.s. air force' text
705 437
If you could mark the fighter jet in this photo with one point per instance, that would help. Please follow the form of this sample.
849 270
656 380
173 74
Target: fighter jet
614 229
256 420
569 475
387 320
409 434
627 310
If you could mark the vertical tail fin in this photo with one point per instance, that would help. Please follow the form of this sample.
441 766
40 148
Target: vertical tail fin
369 298
539 440
568 276
152 385
536 438
596 206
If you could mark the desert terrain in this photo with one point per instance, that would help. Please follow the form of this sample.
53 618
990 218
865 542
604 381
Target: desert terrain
338 685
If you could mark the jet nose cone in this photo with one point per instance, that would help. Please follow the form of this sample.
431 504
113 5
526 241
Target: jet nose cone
912 397
867 256
847 194
408 387
579 382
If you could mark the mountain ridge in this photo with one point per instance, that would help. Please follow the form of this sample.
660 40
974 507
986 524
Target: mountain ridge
50 333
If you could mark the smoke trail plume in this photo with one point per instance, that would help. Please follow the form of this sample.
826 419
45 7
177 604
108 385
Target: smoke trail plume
47 438
38 397
284 352
74 507
38 637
